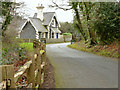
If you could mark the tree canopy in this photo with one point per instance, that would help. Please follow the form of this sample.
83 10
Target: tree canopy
7 12
97 22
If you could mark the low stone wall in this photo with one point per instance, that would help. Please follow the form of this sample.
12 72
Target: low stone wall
67 37
60 40
55 40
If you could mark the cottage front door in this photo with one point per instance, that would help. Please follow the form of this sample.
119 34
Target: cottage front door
57 35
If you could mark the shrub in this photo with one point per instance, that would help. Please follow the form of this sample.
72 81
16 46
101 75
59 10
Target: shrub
11 50
67 34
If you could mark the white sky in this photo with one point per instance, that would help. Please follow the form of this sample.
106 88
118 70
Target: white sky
30 9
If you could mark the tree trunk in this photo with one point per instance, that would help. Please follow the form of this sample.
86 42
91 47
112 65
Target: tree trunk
79 25
92 42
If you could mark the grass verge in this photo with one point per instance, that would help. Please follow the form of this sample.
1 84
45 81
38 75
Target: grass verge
27 46
102 50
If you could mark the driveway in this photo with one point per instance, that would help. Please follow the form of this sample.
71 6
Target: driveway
77 69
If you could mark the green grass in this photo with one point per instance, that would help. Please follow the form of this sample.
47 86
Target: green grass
102 52
27 46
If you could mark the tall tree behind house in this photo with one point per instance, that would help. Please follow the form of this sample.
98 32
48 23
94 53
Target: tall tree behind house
97 22
0 31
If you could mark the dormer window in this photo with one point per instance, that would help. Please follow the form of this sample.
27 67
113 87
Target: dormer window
52 22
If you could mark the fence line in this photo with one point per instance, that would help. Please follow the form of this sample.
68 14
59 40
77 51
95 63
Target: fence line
34 70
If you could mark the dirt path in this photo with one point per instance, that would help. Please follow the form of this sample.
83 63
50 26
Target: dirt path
49 81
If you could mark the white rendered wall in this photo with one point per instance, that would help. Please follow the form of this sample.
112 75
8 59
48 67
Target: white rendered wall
40 13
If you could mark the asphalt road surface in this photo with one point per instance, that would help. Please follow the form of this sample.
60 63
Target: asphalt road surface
77 69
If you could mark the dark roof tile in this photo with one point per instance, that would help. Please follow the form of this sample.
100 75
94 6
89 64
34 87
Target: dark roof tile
47 17
17 23
38 24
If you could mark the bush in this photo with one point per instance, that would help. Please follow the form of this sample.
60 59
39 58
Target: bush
11 50
67 34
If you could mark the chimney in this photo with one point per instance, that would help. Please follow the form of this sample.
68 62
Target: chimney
40 12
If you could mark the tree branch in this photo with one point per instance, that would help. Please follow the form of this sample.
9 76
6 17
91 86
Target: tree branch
56 5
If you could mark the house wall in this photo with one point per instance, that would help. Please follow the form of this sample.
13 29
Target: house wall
55 25
40 12
55 35
37 35
50 34
28 32
58 35
48 31
54 22
44 35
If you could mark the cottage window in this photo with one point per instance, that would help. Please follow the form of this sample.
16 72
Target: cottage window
57 35
46 35
52 35
52 22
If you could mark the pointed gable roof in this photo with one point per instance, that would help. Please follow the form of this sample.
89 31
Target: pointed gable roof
37 24
48 17
17 23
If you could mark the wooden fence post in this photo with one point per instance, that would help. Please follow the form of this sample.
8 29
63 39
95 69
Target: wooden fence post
44 54
43 58
35 69
31 71
38 64
7 74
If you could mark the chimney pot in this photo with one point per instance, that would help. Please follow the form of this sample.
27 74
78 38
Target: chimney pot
40 8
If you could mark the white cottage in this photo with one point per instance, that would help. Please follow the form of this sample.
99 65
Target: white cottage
42 25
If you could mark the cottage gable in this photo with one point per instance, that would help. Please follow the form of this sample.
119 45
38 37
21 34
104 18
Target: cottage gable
28 32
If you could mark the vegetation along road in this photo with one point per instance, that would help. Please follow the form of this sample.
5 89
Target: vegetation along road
77 69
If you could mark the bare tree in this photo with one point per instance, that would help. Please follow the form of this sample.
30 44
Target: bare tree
64 6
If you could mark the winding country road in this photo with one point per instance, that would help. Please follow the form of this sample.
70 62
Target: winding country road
77 69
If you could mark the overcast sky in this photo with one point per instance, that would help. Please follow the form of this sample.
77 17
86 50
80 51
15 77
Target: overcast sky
30 9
